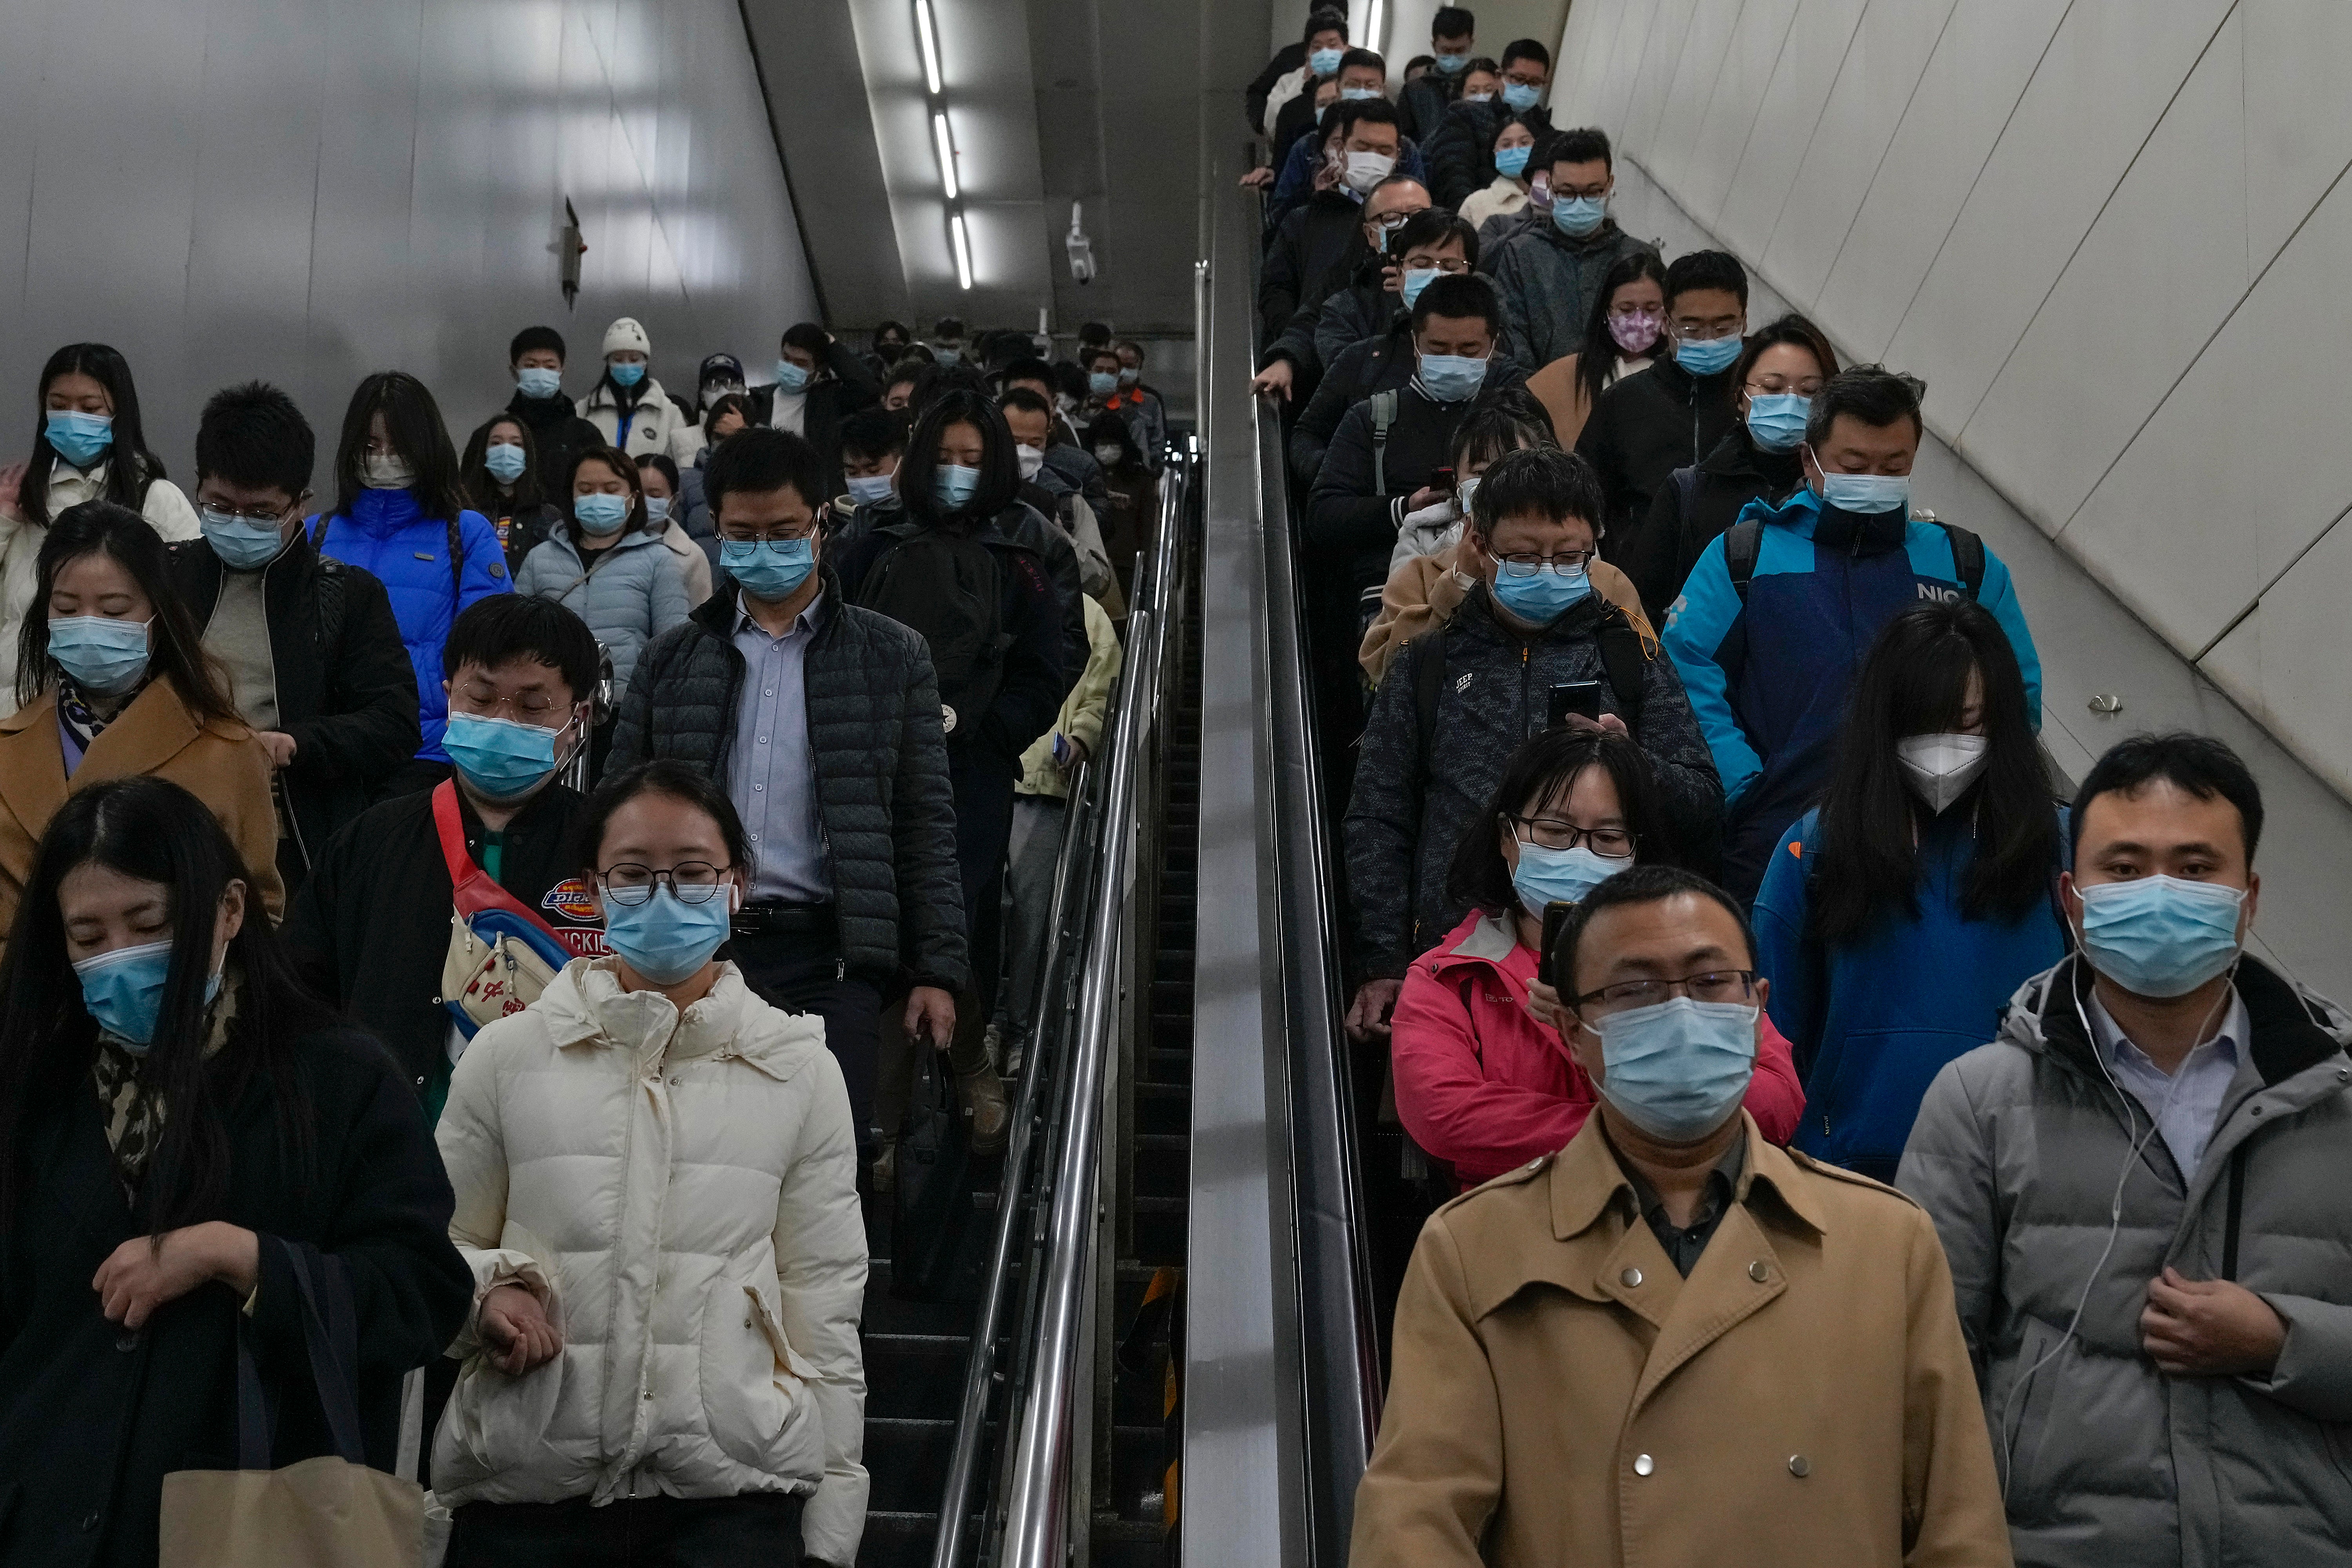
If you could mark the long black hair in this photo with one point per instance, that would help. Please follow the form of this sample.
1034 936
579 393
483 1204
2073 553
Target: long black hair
1544 768
151 829
129 467
1600 352
413 421
175 649
999 466
481 487
1914 682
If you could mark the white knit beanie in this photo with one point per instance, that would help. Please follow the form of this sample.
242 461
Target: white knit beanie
625 336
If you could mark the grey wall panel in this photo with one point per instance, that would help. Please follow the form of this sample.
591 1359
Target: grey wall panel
309 190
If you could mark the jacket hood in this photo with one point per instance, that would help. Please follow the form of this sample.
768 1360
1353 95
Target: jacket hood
382 513
2294 1027
648 390
1737 456
1809 516
585 1007
1605 237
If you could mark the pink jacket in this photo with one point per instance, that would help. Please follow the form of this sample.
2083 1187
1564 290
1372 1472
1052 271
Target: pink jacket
1485 1088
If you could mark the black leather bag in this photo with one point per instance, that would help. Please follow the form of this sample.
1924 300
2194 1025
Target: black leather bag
934 1242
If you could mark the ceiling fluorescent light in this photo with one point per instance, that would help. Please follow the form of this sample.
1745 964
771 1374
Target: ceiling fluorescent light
946 144
962 250
929 37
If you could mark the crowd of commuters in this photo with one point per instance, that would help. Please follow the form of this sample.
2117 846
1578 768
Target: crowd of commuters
1720 945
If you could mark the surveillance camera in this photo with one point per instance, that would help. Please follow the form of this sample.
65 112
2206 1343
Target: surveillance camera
1081 249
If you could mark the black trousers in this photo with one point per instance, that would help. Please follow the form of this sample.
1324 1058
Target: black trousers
802 973
638 1532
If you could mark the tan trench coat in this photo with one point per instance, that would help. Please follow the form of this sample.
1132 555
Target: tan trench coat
1561 1396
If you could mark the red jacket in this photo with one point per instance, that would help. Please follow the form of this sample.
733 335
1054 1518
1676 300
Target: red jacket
1485 1088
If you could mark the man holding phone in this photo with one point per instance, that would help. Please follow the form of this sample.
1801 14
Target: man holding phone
1531 645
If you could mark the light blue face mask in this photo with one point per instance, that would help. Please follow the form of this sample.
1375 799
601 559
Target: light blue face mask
947 354
1578 217
953 486
1325 62
505 461
1416 278
600 514
656 512
503 759
871 489
770 571
1451 65
791 377
1708 356
538 381
80 438
1867 495
2160 936
241 544
666 939
1677 1069
1358 94
1776 420
125 991
626 373
1511 163
1102 382
1545 876
1451 378
99 653
1538 597
1520 96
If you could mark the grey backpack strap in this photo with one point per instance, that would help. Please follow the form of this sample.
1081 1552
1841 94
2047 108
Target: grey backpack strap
1384 413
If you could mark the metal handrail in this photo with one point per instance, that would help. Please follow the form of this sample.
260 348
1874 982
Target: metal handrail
1036 1513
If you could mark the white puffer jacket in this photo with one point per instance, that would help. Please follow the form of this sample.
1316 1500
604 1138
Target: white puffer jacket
681 1192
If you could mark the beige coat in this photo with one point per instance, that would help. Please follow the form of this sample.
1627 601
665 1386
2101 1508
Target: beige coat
1426 590
1561 1398
221 764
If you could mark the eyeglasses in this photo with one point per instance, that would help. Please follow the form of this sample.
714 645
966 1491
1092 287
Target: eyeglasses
1803 386
271 515
1526 563
778 542
1552 832
527 706
691 881
1734 986
1451 266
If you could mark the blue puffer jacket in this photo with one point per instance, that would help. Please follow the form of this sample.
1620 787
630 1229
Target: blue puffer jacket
634 594
387 534
1767 676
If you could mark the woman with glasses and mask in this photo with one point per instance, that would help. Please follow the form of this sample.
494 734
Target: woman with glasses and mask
1624 335
1484 1083
655 1177
1775 379
1897 917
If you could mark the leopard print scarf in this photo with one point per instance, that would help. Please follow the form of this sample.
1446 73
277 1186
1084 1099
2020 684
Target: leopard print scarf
135 1110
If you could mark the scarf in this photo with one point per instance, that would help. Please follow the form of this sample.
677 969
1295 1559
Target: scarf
84 721
134 1109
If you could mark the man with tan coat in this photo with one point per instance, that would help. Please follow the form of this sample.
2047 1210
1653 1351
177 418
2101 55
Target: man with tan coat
1672 1343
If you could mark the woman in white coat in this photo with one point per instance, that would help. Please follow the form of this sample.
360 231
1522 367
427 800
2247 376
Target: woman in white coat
655 1181
630 407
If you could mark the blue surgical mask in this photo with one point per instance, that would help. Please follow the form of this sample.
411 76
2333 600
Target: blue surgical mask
1325 62
947 354
871 489
1477 98
503 759
80 438
1520 96
538 381
241 544
1451 378
1416 278
1130 374
626 373
505 461
1451 65
666 939
1708 356
1102 382
656 510
1867 495
125 991
953 486
770 572
1512 162
791 377
1678 1068
99 653
1776 420
1541 597
2160 936
1358 94
1578 217
600 514
1561 876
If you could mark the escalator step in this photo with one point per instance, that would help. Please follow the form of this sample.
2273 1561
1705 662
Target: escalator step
908 1459
1163 1107
1163 1164
918 1376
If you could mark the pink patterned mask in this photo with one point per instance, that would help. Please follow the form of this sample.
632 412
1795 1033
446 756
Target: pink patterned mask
1637 333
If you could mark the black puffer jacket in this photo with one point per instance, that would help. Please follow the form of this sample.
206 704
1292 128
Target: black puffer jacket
1641 430
1670 541
883 799
1409 808
1374 364
1321 240
1460 153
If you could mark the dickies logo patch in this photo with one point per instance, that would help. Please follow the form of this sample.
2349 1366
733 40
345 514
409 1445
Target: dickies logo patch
576 900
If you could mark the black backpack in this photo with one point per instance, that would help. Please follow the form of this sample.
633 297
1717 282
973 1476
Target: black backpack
949 587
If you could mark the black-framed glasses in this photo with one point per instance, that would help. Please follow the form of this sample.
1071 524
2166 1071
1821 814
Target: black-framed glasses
1526 563
269 515
1734 986
781 543
693 881
1554 833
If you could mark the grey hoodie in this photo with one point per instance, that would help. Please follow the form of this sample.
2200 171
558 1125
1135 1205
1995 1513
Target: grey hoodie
2107 1461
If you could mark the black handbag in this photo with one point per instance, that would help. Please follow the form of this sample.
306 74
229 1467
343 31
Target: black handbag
933 1242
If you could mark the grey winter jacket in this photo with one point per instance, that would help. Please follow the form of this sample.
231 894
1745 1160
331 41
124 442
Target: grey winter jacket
1551 282
2017 1153
883 799
1413 802
633 593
